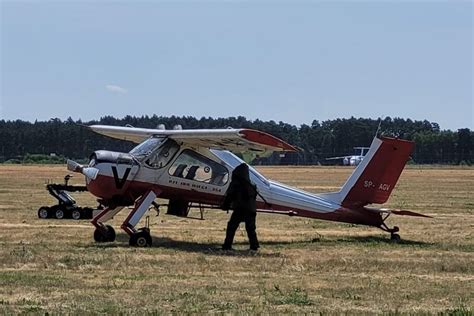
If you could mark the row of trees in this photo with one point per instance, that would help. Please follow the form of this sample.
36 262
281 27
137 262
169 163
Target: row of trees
317 142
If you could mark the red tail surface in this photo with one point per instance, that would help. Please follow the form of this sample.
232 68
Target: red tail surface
375 177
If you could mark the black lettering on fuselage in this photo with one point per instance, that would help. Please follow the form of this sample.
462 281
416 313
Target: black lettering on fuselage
119 183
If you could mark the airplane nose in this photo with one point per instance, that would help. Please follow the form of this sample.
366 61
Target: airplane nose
112 173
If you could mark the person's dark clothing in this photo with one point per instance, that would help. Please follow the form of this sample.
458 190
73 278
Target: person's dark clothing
241 197
235 219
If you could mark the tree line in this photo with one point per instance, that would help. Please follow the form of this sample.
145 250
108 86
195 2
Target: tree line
317 141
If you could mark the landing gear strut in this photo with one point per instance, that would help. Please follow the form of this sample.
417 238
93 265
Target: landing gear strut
140 237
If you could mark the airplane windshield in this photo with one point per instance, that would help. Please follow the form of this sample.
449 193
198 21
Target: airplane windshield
162 155
233 161
146 148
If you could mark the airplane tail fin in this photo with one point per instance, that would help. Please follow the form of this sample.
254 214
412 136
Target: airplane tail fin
375 177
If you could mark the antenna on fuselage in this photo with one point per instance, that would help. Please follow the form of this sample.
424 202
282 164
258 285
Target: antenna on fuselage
378 128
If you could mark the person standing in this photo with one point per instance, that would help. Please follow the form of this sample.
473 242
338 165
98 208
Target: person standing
241 198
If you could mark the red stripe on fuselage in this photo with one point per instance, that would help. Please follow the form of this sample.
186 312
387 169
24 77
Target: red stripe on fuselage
104 188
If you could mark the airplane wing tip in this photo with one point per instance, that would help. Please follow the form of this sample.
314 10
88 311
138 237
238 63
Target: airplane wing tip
266 139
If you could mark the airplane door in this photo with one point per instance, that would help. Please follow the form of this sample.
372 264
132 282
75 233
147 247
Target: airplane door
198 172
157 162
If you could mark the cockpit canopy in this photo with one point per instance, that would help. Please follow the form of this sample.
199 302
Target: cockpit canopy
155 152
147 147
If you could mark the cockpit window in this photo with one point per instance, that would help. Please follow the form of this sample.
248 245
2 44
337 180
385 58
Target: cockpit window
161 156
193 166
147 147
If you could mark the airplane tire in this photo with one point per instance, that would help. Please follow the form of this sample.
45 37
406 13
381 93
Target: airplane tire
395 237
43 212
76 214
111 233
106 234
141 239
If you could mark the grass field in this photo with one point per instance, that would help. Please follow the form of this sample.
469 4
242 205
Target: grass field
304 266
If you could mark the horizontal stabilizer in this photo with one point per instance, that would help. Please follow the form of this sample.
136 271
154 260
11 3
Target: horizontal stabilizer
396 212
408 213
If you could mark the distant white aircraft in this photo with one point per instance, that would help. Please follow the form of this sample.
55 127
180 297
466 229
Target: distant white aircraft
353 160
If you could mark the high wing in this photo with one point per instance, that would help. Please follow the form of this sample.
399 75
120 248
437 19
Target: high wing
237 140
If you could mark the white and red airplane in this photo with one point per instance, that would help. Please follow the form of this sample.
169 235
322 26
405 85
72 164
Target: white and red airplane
194 167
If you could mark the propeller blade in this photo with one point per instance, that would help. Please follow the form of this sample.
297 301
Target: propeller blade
89 172
73 166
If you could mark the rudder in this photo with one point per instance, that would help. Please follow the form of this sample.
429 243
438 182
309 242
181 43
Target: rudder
375 177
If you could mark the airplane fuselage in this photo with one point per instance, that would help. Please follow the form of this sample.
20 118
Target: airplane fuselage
202 175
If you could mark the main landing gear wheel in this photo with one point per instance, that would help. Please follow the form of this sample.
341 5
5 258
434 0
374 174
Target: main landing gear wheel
104 234
43 212
142 238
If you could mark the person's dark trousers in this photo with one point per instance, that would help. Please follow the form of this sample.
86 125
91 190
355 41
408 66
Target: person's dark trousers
250 227
235 219
232 226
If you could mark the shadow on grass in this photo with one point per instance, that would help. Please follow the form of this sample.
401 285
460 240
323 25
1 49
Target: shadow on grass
187 246
214 248
348 240
378 240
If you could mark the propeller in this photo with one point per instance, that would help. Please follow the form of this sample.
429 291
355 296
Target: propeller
89 172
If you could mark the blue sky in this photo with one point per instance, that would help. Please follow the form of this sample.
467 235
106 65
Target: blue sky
291 61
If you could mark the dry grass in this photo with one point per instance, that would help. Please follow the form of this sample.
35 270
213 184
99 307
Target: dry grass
304 266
